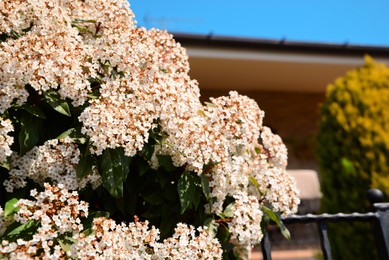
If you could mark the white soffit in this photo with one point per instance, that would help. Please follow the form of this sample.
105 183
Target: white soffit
258 55
246 69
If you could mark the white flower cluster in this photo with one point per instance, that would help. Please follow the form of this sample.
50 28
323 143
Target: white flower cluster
136 241
55 161
244 223
5 140
56 213
143 83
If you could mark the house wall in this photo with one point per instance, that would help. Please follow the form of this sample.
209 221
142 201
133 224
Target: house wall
293 116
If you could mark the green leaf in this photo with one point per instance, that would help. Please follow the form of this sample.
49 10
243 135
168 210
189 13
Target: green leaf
6 164
155 198
256 184
88 222
166 162
53 98
284 231
29 132
167 224
212 226
66 242
33 110
83 21
25 230
75 135
143 166
114 167
277 219
348 166
205 186
11 207
186 190
84 166
228 212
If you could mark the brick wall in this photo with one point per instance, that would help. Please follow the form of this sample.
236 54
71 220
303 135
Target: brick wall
293 116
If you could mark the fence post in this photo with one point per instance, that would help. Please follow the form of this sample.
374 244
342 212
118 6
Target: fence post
266 246
381 225
381 230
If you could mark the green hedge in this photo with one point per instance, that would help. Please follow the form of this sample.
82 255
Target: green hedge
353 152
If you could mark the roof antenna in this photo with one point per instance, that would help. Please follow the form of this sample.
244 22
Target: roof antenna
209 36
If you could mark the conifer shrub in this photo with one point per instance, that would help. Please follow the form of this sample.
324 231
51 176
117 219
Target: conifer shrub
353 152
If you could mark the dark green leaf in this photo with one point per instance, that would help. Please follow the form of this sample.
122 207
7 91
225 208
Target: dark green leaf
166 162
75 135
223 234
114 167
155 198
88 222
151 214
143 166
84 166
29 132
205 186
11 207
54 100
186 190
34 110
24 231
167 224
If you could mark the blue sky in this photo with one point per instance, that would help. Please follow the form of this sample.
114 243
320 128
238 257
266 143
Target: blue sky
354 22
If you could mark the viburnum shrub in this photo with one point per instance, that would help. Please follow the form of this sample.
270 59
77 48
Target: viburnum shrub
107 151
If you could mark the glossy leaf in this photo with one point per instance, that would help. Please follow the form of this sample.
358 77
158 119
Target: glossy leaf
54 100
186 190
75 135
228 212
277 219
11 207
205 186
166 162
114 167
34 110
84 166
29 132
25 230
212 226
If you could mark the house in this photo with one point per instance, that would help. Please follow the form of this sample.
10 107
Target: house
287 79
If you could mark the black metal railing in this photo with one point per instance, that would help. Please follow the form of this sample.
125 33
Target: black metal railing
379 218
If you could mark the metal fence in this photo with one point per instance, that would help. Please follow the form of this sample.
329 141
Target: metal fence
378 217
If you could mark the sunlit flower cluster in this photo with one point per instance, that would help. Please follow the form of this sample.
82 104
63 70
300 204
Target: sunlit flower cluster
244 224
138 241
126 82
56 214
5 139
55 161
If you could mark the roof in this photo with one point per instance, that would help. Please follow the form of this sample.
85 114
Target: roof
271 65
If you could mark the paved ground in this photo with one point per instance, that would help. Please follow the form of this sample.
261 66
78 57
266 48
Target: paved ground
302 254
